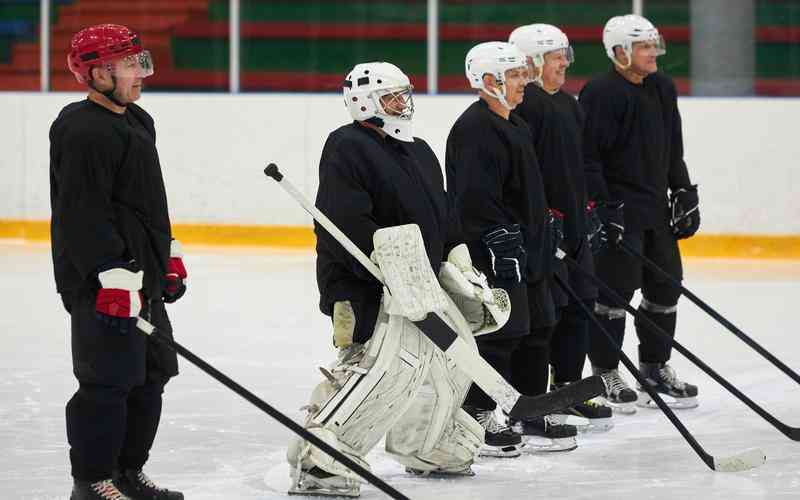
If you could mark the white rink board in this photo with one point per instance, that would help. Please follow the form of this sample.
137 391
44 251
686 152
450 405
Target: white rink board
743 153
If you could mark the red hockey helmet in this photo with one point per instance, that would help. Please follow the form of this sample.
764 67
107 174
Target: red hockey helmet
105 44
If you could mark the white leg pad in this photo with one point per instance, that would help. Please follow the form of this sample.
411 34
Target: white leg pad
370 391
435 433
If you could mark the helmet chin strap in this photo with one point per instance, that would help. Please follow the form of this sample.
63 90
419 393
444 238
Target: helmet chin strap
501 95
109 93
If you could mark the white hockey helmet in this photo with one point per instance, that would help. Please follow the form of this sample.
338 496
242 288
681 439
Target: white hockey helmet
365 86
624 31
494 58
536 40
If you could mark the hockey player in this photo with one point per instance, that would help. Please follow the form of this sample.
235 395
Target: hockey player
556 122
633 149
388 377
493 175
114 259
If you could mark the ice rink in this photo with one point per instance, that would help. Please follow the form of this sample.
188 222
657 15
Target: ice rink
253 314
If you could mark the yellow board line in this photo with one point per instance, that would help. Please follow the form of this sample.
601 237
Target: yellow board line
297 237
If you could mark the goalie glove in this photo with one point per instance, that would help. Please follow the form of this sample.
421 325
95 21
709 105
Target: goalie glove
485 309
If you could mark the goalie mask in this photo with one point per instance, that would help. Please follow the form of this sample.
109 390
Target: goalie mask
494 58
380 93
624 31
537 40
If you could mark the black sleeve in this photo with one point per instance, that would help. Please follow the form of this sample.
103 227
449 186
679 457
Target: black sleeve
600 131
678 175
344 197
84 204
472 175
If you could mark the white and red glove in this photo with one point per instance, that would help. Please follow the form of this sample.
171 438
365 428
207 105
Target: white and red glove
176 274
119 298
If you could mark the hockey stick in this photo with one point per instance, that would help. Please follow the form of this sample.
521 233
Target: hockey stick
151 331
436 329
745 460
792 433
711 312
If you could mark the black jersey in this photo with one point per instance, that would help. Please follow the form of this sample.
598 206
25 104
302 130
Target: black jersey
107 196
367 182
493 177
633 145
556 123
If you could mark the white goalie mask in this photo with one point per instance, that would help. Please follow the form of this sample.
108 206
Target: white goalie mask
624 31
493 58
537 40
365 90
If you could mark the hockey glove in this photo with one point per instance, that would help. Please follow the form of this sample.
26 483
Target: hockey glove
593 227
555 227
684 207
176 274
485 309
613 223
119 298
507 254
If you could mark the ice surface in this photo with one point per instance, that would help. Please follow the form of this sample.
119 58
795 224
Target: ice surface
253 314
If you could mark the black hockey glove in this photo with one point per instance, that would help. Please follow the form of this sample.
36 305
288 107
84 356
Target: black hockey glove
507 254
593 227
612 225
684 206
555 228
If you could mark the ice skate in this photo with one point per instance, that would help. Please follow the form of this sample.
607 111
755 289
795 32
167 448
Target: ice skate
675 392
619 395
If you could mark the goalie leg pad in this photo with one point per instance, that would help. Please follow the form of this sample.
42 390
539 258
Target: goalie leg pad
435 434
365 393
413 286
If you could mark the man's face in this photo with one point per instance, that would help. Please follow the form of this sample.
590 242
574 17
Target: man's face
554 71
397 103
516 79
643 58
128 88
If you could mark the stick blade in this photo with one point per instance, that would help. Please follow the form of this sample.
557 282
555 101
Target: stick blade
746 460
577 392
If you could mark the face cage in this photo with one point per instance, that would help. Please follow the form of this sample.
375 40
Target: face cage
133 66
401 99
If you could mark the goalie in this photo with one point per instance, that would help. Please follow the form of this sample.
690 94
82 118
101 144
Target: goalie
384 188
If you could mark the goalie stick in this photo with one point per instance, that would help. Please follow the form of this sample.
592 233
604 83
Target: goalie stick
148 329
713 313
792 433
436 329
746 460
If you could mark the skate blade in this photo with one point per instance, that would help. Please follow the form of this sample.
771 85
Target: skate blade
323 492
621 408
596 425
538 444
512 451
645 401
441 473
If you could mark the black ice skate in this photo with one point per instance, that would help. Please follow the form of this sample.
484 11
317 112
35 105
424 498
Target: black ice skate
317 482
136 485
661 377
546 434
499 440
593 416
99 490
619 395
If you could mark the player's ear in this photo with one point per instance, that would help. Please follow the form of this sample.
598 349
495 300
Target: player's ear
489 81
619 53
